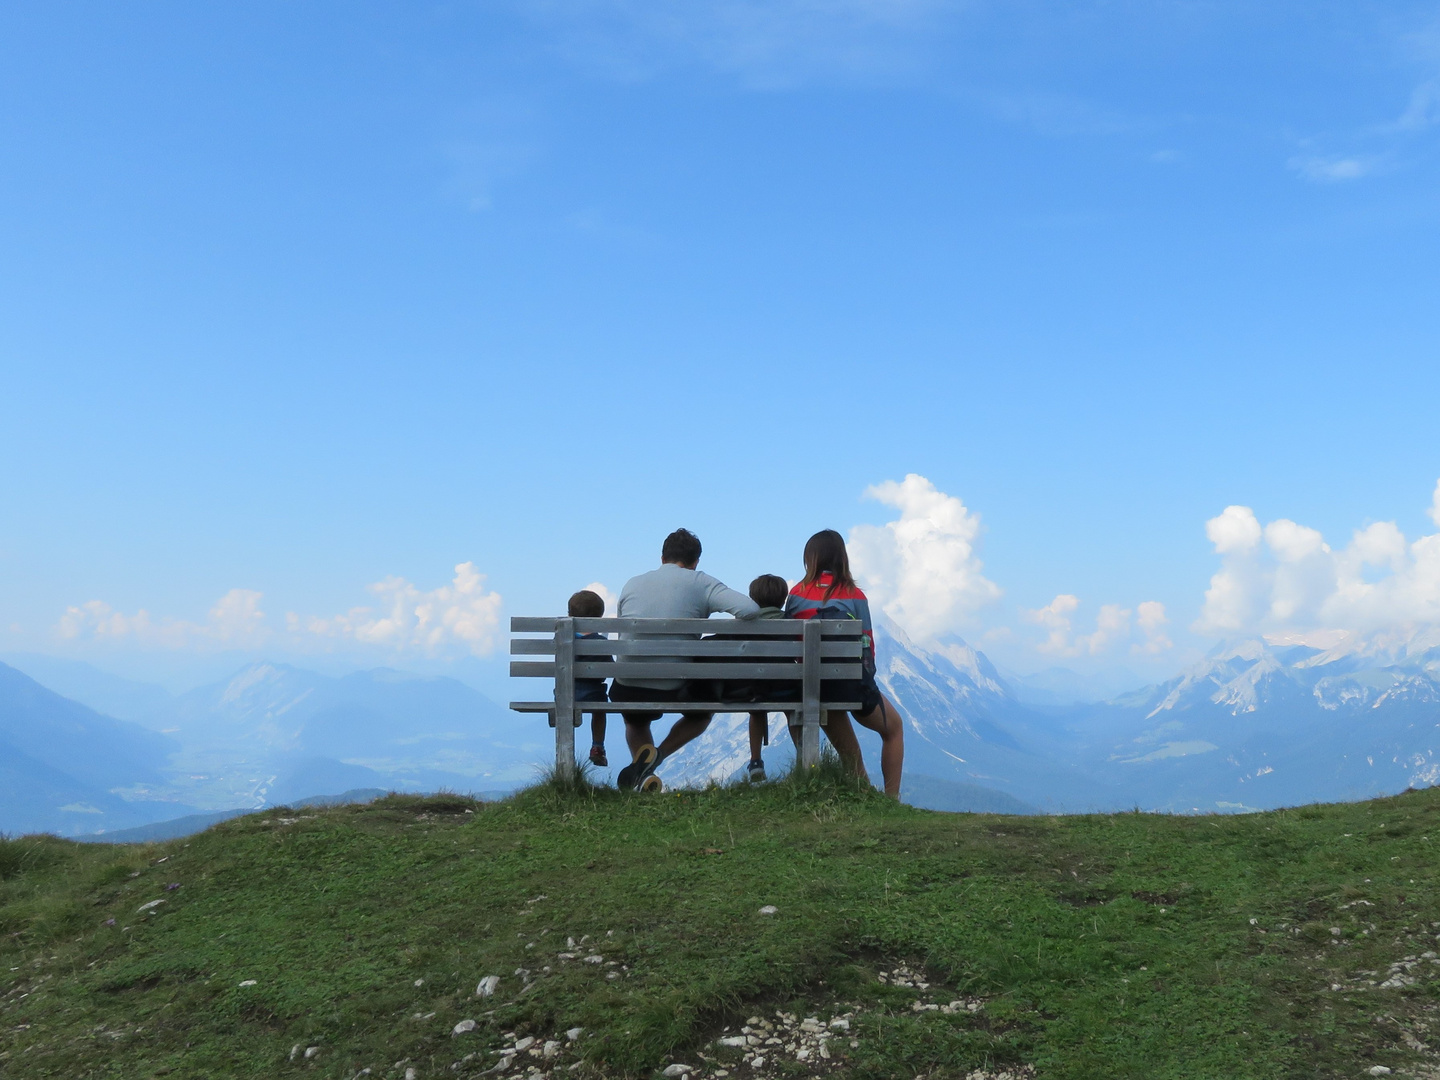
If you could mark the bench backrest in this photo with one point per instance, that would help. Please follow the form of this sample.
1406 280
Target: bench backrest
649 648
810 651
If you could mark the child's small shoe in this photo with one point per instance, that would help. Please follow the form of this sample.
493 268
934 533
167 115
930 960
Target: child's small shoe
598 758
755 772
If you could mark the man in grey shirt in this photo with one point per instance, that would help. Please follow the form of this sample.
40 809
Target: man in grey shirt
675 591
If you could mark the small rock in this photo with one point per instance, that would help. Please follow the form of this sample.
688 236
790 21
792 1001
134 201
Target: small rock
676 1070
574 1033
594 959
248 982
570 943
412 1073
1379 1070
839 1025
551 1048
147 907
311 1051
612 975
505 1063
462 1027
294 1051
487 986
769 909
521 1045
734 1040
757 1062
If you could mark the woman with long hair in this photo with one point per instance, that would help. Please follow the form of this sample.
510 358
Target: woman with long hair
828 591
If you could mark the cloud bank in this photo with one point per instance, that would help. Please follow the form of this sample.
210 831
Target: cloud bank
461 613
1113 627
1284 577
235 621
404 618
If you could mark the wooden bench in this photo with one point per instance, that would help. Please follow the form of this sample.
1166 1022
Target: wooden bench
810 652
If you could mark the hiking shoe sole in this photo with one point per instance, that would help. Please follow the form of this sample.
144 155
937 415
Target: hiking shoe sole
632 775
652 784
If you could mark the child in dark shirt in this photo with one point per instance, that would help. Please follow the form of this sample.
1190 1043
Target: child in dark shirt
769 592
589 605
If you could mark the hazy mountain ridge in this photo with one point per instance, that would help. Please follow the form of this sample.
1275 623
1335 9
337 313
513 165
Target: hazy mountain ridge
61 763
1253 725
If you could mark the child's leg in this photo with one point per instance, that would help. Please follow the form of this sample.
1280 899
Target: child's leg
759 730
597 729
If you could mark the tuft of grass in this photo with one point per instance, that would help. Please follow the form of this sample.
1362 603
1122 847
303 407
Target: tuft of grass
1129 945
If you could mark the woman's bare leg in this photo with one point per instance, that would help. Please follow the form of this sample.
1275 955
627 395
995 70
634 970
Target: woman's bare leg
841 734
886 720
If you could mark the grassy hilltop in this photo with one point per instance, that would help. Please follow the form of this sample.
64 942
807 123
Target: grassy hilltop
331 943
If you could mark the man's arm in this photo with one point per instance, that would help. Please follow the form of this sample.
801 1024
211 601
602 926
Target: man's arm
720 597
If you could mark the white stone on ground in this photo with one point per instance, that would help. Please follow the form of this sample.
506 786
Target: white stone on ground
311 1051
574 1033
676 1070
462 1027
769 909
487 986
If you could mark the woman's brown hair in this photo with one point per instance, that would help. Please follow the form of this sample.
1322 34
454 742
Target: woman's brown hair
825 554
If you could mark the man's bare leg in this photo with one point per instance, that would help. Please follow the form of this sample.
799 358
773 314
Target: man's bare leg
637 734
686 729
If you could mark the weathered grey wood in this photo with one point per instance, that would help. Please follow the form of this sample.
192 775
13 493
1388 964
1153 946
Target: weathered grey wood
639 669
583 708
564 668
830 628
810 697
722 647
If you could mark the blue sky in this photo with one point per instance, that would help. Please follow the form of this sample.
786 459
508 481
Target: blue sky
300 299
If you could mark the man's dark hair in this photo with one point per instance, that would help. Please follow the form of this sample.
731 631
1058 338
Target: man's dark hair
681 546
769 590
586 605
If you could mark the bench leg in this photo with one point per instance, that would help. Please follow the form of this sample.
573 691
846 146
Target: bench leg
565 700
810 698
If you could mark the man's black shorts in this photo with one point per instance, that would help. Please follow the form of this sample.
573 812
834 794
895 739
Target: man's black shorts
692 690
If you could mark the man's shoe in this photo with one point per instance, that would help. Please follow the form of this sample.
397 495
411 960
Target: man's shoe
632 775
652 784
598 758
755 772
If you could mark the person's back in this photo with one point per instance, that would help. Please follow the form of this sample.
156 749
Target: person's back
675 590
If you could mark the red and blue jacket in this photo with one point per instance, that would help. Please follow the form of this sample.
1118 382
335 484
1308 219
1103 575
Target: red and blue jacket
806 601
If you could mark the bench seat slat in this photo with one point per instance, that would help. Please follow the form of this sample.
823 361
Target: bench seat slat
635 669
686 706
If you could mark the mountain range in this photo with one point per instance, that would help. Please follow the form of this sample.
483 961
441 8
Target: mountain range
1255 725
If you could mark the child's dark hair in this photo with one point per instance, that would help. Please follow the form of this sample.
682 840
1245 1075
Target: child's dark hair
587 605
769 590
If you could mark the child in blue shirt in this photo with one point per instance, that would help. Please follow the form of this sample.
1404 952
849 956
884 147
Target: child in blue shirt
589 605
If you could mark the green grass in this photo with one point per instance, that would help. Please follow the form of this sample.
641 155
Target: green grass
1103 946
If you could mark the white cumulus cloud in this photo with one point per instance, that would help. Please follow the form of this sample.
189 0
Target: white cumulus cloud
405 617
922 568
1286 578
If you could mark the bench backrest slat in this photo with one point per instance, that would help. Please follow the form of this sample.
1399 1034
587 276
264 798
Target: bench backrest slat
781 628
622 648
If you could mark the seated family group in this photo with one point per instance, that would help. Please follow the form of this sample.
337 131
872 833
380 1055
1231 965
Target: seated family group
677 590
